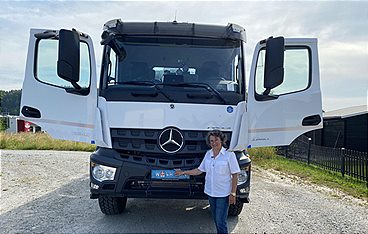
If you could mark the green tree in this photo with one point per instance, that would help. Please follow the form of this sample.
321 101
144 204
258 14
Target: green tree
10 101
3 124
2 93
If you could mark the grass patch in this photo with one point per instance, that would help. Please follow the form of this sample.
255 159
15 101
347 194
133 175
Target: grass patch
268 159
40 141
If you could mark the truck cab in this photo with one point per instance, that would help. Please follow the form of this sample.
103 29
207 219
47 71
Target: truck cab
162 87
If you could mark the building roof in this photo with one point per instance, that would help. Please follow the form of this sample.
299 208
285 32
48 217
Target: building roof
346 112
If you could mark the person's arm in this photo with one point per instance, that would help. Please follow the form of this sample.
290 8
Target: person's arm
196 171
192 172
234 185
234 182
234 169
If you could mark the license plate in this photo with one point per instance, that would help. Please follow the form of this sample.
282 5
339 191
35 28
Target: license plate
167 175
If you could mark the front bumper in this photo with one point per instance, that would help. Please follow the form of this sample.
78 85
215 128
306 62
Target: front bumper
133 178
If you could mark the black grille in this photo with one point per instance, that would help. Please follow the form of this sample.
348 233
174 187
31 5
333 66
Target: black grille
187 161
144 142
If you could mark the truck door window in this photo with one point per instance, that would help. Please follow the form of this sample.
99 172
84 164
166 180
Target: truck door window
46 64
296 71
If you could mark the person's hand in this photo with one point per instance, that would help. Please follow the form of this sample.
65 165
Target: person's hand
232 199
178 172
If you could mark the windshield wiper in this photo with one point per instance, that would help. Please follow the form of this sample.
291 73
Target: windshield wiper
132 82
148 83
201 85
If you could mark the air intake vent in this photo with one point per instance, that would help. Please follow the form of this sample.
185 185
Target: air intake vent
145 142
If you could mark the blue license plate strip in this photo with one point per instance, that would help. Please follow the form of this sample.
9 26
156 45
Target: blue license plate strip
167 175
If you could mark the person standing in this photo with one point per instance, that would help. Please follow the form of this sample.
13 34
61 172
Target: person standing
222 168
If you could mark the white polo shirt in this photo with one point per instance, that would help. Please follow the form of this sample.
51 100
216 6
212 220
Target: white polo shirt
218 172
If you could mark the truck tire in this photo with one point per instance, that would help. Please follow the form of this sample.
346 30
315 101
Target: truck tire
112 205
235 210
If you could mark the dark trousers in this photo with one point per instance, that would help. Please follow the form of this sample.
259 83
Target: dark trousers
219 208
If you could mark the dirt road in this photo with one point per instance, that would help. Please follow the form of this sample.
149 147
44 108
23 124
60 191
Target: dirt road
48 192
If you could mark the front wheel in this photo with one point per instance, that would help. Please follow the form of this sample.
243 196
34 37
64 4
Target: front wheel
112 205
235 210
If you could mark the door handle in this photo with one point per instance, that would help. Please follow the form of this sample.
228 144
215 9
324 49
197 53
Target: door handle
31 112
311 120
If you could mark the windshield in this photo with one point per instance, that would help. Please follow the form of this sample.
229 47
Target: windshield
175 68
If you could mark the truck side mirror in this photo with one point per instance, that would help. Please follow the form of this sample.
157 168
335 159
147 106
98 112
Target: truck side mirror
68 60
274 64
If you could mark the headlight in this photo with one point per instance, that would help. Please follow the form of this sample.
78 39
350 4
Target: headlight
243 176
101 173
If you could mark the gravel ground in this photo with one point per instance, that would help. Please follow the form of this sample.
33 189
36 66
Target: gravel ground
47 192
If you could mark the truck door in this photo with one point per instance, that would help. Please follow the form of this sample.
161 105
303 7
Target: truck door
60 87
284 96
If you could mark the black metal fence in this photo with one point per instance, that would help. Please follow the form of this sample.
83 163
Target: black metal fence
345 161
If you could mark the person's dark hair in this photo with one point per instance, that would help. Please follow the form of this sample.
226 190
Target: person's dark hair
219 134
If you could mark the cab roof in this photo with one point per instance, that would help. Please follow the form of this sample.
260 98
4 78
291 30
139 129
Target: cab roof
117 27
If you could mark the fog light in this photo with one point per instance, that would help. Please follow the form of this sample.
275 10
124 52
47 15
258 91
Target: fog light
101 173
94 186
243 190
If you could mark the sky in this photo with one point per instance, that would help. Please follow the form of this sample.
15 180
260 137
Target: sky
340 26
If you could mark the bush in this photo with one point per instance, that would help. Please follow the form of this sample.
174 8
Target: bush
3 124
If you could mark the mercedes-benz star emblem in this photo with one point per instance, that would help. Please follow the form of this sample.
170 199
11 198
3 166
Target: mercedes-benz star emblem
171 140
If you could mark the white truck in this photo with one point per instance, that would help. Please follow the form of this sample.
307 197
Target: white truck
162 87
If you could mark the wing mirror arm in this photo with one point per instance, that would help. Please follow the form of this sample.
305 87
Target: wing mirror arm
75 85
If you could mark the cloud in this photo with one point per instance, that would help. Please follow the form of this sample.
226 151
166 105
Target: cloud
339 26
11 79
334 103
344 70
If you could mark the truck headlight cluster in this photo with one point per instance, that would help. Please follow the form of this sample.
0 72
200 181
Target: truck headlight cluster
243 175
102 173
